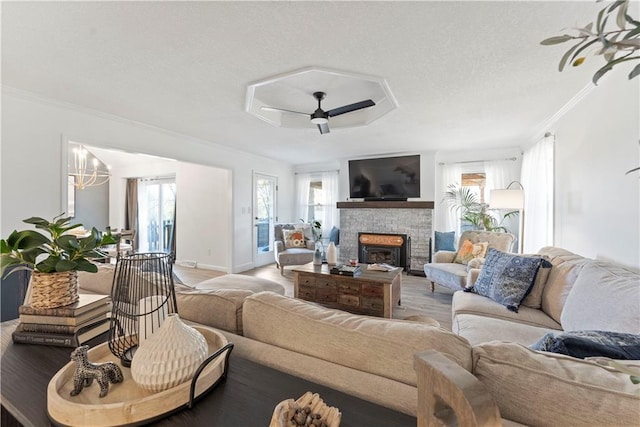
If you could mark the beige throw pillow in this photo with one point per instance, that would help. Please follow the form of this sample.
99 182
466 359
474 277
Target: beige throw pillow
294 239
469 251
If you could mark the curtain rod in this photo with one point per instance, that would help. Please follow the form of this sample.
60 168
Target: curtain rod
331 170
477 161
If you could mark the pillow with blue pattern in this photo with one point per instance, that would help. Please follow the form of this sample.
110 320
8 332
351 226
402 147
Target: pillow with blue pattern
507 278
581 344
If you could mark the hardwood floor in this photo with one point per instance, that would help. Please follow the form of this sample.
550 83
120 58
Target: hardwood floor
416 297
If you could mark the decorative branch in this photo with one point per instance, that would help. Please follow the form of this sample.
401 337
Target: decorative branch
615 46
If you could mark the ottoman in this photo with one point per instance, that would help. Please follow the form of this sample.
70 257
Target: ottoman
218 302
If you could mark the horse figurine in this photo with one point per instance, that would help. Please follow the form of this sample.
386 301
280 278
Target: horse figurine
86 371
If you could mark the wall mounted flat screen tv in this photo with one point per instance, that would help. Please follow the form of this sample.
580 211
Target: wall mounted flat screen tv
385 178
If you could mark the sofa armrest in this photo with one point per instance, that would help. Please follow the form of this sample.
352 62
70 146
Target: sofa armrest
444 256
448 393
278 246
311 244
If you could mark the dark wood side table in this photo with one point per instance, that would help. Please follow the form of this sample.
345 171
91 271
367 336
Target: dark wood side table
246 398
373 293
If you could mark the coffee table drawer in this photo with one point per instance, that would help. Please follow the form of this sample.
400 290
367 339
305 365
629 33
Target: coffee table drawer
374 304
349 300
328 294
306 280
326 283
349 288
375 291
307 292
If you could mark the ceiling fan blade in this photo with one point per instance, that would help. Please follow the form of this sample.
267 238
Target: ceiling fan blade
281 110
323 128
351 107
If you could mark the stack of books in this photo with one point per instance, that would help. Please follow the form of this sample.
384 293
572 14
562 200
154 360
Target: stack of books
68 326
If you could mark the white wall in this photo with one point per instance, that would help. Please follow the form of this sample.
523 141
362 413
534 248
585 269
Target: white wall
31 157
203 198
597 206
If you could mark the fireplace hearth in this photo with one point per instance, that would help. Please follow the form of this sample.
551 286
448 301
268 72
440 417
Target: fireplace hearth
393 249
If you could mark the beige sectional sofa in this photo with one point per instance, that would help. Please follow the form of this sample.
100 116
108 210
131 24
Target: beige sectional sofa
542 388
483 371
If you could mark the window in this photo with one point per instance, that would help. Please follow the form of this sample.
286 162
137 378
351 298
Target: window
476 182
317 197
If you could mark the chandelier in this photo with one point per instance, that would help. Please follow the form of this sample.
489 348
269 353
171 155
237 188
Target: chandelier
83 177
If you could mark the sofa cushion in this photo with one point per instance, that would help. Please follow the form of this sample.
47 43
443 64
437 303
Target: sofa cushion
478 329
220 308
97 283
383 347
581 344
470 303
217 302
604 297
507 278
451 275
468 251
241 281
534 297
566 266
536 388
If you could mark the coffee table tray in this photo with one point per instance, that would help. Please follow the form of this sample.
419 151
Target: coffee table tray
127 403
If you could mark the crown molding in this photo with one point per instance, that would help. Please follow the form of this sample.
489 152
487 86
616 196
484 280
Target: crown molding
37 98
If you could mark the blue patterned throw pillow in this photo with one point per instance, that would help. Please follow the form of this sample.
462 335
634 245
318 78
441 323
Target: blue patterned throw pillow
507 278
581 344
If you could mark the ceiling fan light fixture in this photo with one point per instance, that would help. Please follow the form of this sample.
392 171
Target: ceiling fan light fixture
319 120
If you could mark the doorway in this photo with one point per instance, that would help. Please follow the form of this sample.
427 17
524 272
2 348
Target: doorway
156 214
265 189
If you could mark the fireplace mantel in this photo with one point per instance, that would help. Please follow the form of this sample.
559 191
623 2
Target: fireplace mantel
386 205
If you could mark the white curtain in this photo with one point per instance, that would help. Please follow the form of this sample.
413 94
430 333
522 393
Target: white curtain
499 174
537 180
330 194
303 183
447 219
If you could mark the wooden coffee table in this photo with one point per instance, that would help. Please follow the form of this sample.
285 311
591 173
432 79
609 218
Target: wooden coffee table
373 293
246 398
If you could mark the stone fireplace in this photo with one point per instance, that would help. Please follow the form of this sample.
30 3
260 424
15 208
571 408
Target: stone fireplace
412 218
384 248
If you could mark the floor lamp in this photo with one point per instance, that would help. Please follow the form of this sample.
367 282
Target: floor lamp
511 198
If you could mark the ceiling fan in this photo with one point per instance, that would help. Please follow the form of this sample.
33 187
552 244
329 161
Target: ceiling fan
321 117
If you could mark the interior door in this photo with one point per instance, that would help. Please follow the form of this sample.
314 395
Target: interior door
265 189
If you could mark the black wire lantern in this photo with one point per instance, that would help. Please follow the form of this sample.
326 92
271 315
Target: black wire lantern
142 296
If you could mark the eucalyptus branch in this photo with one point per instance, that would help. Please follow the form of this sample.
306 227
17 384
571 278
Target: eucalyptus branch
611 45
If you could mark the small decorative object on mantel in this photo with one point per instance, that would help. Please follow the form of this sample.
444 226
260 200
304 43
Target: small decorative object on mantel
54 282
332 254
86 372
142 297
309 410
170 356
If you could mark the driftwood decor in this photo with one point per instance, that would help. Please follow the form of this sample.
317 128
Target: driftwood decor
309 410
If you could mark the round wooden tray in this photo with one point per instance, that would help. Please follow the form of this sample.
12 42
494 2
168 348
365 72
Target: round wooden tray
127 403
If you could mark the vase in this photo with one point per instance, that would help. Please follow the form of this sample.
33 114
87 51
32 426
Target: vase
51 290
169 356
332 254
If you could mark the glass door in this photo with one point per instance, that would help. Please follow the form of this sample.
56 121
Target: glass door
156 214
265 189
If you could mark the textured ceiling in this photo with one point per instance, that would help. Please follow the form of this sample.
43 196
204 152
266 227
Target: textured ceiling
465 75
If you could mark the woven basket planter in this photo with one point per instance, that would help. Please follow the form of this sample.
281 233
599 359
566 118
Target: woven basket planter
51 290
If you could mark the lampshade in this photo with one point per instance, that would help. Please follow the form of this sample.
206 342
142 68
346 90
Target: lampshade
142 296
506 199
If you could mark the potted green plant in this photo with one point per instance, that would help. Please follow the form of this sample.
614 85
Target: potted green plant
54 259
461 199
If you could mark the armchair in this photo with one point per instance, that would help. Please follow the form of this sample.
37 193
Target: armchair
291 249
455 275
